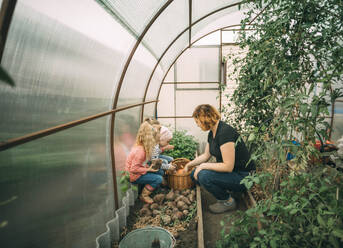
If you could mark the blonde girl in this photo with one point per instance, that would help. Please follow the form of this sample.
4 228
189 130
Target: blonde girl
136 162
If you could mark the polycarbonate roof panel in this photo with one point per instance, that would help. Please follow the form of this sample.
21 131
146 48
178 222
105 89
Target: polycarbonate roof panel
178 46
172 21
223 18
155 84
165 106
136 77
199 65
211 39
170 76
135 14
200 29
149 110
230 36
201 8
59 183
65 65
233 36
187 100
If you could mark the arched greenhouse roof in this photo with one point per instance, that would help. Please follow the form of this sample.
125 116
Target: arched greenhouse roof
85 75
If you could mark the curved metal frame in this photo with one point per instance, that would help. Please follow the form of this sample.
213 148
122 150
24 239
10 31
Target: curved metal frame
158 94
114 174
176 38
235 25
46 132
8 12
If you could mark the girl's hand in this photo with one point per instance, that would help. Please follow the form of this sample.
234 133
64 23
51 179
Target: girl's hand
150 169
172 168
168 147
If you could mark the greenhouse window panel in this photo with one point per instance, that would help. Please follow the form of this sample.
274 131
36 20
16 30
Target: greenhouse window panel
134 14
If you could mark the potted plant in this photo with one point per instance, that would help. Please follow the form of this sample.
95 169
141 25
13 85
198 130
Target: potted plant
185 145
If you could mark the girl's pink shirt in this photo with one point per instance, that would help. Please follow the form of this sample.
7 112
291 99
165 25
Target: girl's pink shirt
135 163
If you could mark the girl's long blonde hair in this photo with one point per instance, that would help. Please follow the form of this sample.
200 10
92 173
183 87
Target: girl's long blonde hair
146 137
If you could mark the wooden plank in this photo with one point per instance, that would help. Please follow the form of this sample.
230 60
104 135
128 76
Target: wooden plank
200 220
253 204
246 200
251 198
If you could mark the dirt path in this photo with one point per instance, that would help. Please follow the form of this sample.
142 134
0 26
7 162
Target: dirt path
212 226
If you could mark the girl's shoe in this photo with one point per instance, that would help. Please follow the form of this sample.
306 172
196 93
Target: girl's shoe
164 182
145 196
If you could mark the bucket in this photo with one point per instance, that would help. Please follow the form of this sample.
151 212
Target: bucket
145 237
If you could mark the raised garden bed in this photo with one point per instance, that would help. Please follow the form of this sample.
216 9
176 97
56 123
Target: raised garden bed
176 211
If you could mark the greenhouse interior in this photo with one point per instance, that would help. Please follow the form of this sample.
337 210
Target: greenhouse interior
81 79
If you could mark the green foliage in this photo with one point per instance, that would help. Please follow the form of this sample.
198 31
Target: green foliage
291 73
185 145
306 212
192 212
124 182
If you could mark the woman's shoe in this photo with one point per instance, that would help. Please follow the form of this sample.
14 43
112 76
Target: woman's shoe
223 206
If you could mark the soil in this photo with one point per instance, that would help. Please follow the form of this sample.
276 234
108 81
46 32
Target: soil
212 227
185 232
187 236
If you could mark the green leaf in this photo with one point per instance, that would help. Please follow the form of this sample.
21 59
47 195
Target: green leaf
312 196
134 187
293 211
338 233
122 179
251 137
124 188
331 222
3 224
5 77
273 243
320 220
284 183
333 241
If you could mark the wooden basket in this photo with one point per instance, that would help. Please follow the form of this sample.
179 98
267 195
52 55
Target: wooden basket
180 181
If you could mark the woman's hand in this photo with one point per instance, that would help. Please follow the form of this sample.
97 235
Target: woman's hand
197 170
203 166
186 168
150 169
